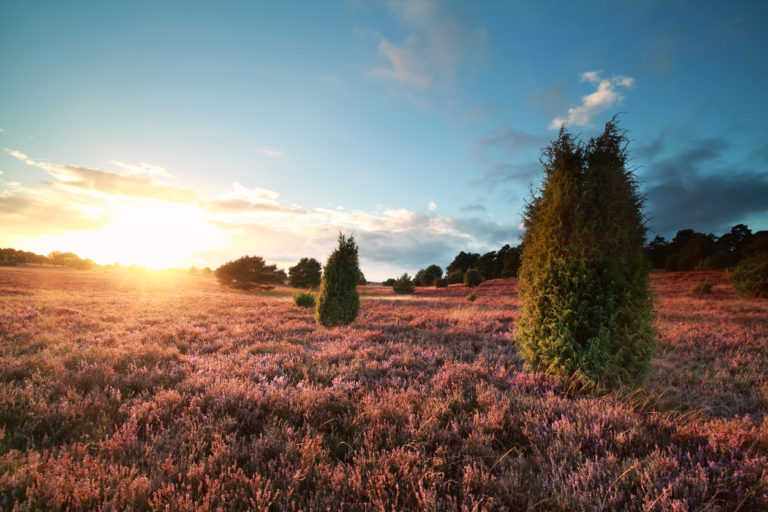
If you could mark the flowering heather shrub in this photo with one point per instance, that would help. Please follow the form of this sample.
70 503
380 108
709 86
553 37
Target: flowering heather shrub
127 393
750 277
702 289
304 300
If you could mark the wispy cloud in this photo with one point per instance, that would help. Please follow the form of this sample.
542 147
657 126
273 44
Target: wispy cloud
271 152
438 44
605 95
432 206
108 183
142 169
505 156
20 156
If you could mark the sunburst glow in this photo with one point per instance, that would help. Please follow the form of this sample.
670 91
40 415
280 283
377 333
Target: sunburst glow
149 233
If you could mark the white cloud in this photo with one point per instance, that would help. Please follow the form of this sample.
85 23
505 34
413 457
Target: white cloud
21 156
142 169
432 206
255 194
271 152
406 65
438 45
605 96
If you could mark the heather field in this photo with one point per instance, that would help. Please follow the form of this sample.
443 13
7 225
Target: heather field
123 391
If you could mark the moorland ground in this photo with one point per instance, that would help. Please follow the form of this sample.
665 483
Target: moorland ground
121 391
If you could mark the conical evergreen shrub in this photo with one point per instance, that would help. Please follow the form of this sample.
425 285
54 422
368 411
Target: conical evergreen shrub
586 312
339 303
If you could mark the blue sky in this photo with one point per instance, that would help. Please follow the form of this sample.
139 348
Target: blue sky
191 133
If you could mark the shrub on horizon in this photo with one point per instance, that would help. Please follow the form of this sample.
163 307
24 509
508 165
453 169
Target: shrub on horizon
750 277
586 306
249 272
339 301
441 282
403 285
304 300
472 278
305 274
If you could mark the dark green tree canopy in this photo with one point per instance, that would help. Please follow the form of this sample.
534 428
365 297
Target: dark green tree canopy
339 301
586 304
463 262
305 274
428 276
70 259
249 272
403 285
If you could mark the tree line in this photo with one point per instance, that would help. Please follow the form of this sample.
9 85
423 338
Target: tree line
249 272
12 257
690 250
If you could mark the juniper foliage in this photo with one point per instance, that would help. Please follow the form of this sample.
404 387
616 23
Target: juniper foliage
586 312
339 302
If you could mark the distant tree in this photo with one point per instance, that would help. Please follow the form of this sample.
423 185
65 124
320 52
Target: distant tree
463 262
657 251
510 261
688 250
361 280
339 301
69 259
305 274
586 307
192 271
441 282
249 272
489 265
403 285
389 282
207 271
11 257
428 276
758 245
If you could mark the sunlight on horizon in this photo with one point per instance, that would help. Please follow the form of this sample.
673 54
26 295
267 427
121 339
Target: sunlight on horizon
147 233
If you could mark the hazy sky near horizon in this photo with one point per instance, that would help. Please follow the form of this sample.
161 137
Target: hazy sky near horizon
191 133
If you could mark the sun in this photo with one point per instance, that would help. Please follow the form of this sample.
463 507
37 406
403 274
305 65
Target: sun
153 234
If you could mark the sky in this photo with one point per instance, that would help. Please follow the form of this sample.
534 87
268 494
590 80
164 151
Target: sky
191 133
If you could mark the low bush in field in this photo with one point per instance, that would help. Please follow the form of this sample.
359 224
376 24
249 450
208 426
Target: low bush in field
304 300
471 297
750 277
702 289
404 285
441 282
